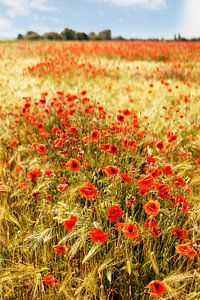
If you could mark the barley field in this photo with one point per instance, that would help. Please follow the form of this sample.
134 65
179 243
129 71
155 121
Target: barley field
99 170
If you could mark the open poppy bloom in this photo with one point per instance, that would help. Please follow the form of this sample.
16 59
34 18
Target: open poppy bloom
34 174
74 165
158 288
98 235
130 230
180 233
152 207
88 191
186 250
40 148
125 177
70 223
114 213
163 189
145 182
111 171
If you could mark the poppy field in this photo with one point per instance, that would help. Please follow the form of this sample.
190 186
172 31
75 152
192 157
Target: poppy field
99 170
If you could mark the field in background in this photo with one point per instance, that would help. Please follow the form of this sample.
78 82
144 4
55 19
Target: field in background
90 134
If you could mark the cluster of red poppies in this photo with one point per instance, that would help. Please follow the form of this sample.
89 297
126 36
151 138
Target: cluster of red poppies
95 156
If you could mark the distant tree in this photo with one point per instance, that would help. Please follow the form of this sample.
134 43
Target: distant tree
20 37
52 36
105 34
32 35
119 38
82 36
68 34
175 38
94 37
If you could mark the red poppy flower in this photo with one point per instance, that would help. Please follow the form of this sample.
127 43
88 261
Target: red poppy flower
179 199
95 134
48 173
111 171
62 187
59 249
88 191
63 180
14 143
150 223
180 233
152 207
34 174
158 288
163 189
130 230
186 250
128 144
119 225
98 235
178 181
160 145
113 149
57 143
155 172
105 147
154 232
151 160
70 223
145 182
167 170
125 177
50 280
114 213
120 118
143 192
56 130
40 148
74 165
126 112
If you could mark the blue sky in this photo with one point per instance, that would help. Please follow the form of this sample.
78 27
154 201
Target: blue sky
130 18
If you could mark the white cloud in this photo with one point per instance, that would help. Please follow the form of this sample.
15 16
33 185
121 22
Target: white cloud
25 7
190 22
150 4
7 30
5 24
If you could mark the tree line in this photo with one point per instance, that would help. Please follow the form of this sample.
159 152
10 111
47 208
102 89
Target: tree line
105 35
67 34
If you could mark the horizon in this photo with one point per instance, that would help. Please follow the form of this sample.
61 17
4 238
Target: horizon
138 19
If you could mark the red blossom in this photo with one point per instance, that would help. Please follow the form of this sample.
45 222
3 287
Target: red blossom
70 223
98 235
114 213
88 191
158 288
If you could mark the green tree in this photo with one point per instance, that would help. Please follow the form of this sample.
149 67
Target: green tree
20 37
82 36
105 34
52 36
32 35
68 34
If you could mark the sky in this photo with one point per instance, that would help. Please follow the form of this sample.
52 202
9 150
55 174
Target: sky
129 18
